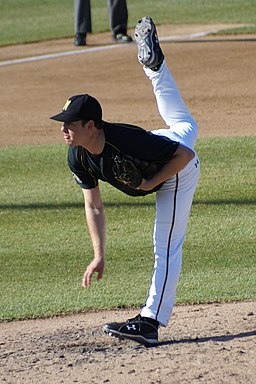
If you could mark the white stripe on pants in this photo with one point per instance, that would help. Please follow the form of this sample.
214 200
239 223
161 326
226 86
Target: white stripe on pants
173 200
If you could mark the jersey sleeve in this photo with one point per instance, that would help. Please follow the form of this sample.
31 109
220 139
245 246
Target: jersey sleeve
80 169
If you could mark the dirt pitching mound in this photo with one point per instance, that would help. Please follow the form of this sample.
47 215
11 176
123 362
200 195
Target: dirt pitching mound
204 343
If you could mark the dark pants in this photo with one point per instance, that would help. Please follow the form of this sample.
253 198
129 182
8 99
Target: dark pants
82 16
118 16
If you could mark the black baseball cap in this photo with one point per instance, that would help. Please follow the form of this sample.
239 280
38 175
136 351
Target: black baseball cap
80 107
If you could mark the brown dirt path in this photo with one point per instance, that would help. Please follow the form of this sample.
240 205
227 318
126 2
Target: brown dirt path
216 78
203 343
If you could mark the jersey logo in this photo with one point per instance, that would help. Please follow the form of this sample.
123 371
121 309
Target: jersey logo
66 105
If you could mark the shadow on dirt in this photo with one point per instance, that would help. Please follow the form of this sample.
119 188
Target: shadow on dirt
222 338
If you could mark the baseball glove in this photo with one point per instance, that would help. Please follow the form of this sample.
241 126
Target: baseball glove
126 172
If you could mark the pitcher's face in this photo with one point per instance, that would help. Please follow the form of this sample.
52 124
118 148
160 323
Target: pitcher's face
74 132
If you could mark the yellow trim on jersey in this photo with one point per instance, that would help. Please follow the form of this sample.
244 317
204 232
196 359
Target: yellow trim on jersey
88 170
106 142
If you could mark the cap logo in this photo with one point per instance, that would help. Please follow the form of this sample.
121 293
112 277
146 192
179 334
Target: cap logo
66 105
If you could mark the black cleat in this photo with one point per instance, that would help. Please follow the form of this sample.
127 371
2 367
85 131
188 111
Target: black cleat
80 40
140 329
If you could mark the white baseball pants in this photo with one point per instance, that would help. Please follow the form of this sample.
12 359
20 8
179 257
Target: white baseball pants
173 200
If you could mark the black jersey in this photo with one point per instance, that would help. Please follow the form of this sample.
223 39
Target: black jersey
126 139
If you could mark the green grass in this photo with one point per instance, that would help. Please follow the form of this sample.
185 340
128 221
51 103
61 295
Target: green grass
45 247
33 20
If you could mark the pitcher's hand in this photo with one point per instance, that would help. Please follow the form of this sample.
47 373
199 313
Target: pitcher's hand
96 266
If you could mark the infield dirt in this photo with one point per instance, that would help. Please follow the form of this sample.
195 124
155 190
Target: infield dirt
212 343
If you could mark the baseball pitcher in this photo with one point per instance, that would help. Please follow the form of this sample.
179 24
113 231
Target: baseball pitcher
138 162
